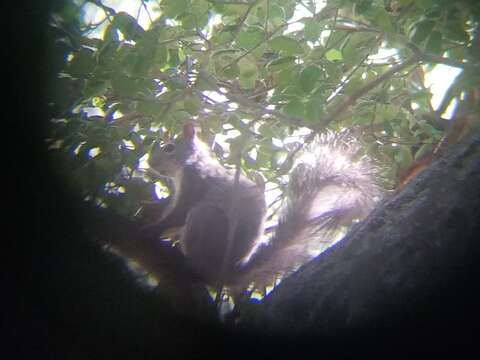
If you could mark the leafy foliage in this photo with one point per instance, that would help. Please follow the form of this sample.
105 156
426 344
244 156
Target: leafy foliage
258 76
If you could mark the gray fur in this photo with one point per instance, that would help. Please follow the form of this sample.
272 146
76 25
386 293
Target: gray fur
327 192
325 196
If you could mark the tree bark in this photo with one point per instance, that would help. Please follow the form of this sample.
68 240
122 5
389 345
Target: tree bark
412 264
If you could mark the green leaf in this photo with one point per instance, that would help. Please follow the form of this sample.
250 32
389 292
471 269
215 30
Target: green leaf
277 95
309 77
94 87
454 30
283 78
82 63
199 13
200 6
176 84
173 57
266 131
404 157
248 72
98 101
174 8
289 7
356 47
150 108
222 37
230 9
292 91
458 53
276 15
383 20
337 37
230 72
430 130
194 20
180 116
362 115
250 37
192 104
425 4
260 50
387 127
225 65
294 108
334 55
123 85
353 85
359 7
312 30
423 150
421 30
434 43
332 71
161 55
281 63
315 110
103 169
128 26
285 45
206 81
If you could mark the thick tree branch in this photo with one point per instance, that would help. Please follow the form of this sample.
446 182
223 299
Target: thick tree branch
157 257
402 260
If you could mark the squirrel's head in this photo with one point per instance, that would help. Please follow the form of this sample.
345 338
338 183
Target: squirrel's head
171 157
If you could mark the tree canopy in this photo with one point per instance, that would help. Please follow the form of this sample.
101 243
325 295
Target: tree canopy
260 77
112 99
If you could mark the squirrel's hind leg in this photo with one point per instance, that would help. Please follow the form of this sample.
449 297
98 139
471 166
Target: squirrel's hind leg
204 241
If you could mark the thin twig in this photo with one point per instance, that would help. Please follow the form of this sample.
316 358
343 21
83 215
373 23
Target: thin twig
249 51
343 106
243 19
252 104
349 76
148 12
128 117
267 16
306 7
108 10
334 24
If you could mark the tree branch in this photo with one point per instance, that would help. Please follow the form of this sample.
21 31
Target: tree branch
242 20
343 106
251 104
445 61
389 267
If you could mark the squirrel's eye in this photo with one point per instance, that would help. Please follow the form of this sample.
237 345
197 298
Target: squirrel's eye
168 148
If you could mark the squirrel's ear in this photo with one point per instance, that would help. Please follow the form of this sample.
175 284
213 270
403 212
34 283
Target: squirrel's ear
189 130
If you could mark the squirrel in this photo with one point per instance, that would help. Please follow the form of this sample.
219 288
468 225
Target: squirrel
323 196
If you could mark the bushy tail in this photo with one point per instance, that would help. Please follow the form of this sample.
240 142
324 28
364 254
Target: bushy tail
328 190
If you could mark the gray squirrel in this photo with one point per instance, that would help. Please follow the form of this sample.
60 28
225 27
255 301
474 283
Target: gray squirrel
324 195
